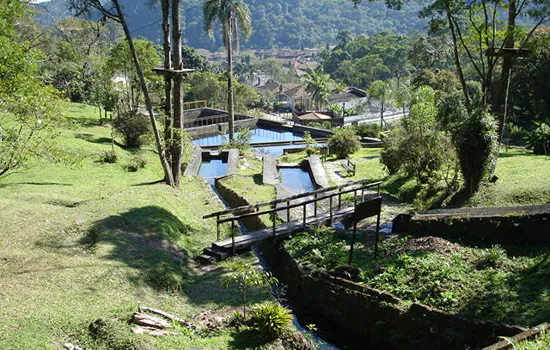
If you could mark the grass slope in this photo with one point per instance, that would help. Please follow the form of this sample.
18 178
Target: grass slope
93 240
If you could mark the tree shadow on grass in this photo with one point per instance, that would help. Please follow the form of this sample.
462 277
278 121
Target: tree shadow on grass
146 239
158 245
35 184
247 339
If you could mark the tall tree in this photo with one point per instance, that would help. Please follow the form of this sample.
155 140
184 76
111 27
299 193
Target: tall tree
176 148
113 11
382 92
28 109
233 17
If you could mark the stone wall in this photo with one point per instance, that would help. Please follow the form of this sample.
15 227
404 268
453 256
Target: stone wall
377 318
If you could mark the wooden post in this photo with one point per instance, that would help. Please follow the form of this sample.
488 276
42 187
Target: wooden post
315 205
233 236
377 233
330 207
304 216
355 198
274 215
339 198
287 211
218 227
352 242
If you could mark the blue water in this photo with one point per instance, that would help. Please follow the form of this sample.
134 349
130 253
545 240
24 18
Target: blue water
297 179
210 169
258 135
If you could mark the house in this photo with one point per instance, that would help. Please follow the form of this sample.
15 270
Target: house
351 98
288 96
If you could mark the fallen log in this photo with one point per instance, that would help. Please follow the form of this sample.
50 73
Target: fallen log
182 322
149 321
153 331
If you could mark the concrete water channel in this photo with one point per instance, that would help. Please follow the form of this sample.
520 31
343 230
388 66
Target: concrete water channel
297 179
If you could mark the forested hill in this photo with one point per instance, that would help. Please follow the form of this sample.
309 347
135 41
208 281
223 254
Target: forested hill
276 23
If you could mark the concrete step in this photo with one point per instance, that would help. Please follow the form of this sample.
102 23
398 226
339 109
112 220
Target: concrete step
205 259
216 253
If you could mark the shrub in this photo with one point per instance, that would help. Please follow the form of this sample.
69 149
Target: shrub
133 127
516 135
367 130
418 146
136 163
109 157
270 319
241 140
539 139
344 142
476 142
311 144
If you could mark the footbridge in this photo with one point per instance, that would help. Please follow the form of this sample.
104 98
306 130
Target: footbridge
288 215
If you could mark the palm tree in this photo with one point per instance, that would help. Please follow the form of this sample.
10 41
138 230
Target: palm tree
318 87
234 17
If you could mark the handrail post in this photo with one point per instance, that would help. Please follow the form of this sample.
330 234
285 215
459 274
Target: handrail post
363 194
339 198
233 236
330 206
315 205
218 227
355 198
304 217
274 215
287 211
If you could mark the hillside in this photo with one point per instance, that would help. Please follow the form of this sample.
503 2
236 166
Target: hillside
277 23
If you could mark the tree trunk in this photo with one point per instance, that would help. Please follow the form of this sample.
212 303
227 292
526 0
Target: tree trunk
230 110
167 79
177 140
167 171
499 96
457 57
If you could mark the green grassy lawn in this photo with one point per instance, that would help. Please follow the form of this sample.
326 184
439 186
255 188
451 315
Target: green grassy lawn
524 179
93 240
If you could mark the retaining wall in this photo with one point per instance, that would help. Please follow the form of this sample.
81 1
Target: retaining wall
504 225
379 319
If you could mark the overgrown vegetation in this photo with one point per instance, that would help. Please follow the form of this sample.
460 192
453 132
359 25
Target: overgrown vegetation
493 283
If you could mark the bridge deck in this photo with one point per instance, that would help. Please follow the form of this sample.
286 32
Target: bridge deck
251 238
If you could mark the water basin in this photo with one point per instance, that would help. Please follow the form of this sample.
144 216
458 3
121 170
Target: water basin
297 179
212 168
258 135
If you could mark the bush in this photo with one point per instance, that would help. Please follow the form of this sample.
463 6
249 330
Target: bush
539 139
132 126
311 144
516 135
241 140
344 142
270 319
418 146
136 163
368 130
476 141
109 157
